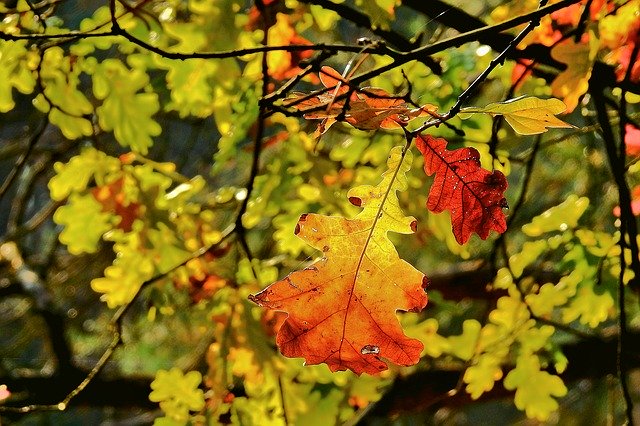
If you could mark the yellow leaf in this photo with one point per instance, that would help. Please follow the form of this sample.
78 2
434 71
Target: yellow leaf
464 345
527 115
573 82
558 218
590 307
534 388
481 376
84 223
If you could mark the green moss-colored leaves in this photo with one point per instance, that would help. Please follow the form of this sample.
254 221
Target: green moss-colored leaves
60 80
559 218
464 345
16 71
75 175
124 110
177 394
534 388
481 377
590 307
84 223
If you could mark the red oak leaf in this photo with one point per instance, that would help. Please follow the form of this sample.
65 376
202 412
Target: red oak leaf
342 309
474 195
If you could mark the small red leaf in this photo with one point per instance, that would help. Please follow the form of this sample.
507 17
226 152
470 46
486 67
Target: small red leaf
474 195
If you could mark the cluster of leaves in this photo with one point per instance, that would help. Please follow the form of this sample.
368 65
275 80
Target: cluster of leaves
340 191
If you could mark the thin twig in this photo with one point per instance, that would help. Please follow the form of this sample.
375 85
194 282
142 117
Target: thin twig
257 144
627 228
21 161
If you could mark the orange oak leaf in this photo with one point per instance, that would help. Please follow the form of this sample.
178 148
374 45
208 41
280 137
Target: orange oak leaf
474 196
342 309
368 108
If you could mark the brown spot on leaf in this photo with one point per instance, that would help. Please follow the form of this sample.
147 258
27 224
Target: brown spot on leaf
355 201
414 225
426 282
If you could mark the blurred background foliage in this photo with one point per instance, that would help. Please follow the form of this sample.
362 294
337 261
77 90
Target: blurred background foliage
119 164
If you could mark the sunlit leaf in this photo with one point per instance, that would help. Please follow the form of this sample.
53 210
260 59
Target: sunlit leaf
124 110
527 115
84 223
473 195
334 316
534 388
558 218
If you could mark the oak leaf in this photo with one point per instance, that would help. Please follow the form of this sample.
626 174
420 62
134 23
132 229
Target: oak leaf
342 309
368 108
573 82
473 195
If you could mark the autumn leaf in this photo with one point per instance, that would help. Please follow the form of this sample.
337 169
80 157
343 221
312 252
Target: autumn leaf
527 115
369 108
473 195
573 82
282 64
342 309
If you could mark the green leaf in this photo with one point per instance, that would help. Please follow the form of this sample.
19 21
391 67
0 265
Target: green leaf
530 252
559 218
552 295
380 11
124 110
75 175
527 115
16 71
132 266
592 308
427 332
60 80
464 345
177 393
84 223
481 376
534 388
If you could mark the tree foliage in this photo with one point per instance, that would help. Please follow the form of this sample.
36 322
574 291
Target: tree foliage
175 189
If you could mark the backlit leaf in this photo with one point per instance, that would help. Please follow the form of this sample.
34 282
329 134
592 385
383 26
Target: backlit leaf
558 218
534 388
177 393
369 108
527 115
481 376
16 71
473 195
124 110
84 223
573 82
75 175
342 309
60 80
464 345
